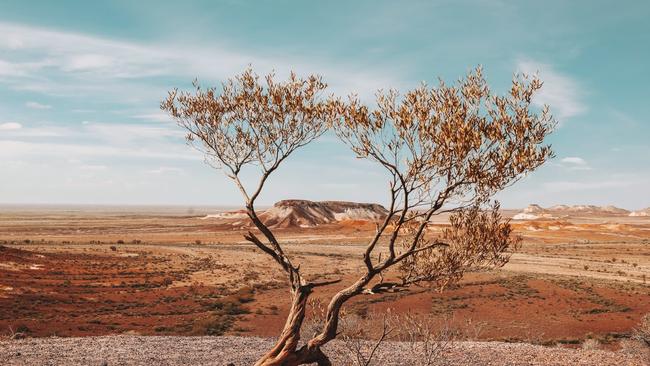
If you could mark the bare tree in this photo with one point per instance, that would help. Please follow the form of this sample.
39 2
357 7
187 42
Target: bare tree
447 149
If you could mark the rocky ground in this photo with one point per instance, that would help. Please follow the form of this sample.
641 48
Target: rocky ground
138 350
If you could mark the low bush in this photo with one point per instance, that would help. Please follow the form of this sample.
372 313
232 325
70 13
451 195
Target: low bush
213 326
590 344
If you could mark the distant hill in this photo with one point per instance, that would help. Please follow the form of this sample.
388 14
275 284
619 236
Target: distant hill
589 209
534 211
304 213
641 213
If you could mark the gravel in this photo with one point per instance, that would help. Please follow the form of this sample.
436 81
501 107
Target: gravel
153 351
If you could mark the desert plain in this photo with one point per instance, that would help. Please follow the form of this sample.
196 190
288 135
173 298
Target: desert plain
70 271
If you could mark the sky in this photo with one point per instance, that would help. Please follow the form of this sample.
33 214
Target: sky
81 82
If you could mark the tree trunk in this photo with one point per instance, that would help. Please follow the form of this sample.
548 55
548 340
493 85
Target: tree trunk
285 352
330 328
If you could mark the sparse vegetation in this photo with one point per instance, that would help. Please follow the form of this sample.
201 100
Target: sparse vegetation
427 339
213 326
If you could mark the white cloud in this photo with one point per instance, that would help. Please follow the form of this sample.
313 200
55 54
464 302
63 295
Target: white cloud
24 69
574 163
36 105
114 134
107 140
9 69
561 92
89 62
31 132
9 126
154 116
574 160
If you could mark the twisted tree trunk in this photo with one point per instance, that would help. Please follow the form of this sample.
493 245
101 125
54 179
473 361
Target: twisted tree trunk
285 352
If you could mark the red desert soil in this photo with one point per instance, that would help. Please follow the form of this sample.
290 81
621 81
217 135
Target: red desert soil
177 274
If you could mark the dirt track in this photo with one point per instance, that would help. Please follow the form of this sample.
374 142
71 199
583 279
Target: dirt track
134 350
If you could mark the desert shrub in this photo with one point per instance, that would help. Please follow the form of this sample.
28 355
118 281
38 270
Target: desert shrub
167 281
359 339
642 332
21 332
632 347
213 326
427 339
639 342
232 308
245 295
120 241
228 307
314 320
590 344
113 248
641 335
472 329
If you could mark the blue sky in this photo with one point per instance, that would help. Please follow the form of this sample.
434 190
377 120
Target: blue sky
80 84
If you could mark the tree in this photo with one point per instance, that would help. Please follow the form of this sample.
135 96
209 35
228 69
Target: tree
447 149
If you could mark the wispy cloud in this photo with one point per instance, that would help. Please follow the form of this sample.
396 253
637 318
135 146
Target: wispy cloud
78 58
14 149
9 69
154 116
9 126
561 92
107 140
36 105
574 163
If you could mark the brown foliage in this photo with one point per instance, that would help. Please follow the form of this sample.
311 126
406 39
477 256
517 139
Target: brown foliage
461 139
475 239
252 121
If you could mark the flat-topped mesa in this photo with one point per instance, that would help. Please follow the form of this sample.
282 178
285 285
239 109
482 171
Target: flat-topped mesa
533 208
304 213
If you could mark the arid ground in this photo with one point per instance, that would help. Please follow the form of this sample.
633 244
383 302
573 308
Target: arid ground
81 272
